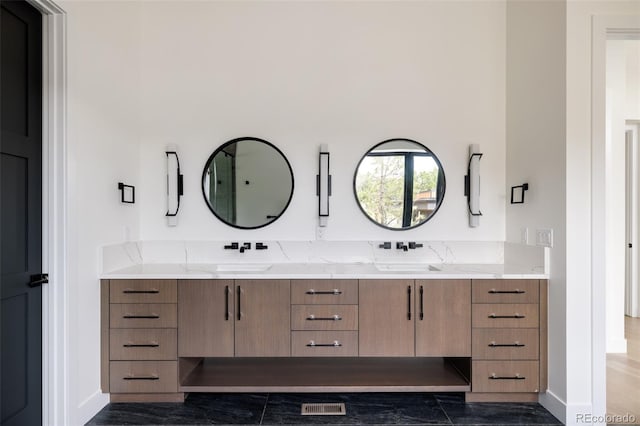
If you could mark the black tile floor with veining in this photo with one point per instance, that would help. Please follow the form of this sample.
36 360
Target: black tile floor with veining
362 409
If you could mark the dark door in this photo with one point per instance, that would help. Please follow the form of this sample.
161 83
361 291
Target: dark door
20 212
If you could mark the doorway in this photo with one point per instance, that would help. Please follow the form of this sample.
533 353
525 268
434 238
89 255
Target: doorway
622 234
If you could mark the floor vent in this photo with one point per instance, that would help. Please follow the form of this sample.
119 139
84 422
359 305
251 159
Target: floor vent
324 409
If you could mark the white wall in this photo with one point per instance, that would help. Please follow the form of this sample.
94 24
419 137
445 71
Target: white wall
103 99
298 74
536 154
579 377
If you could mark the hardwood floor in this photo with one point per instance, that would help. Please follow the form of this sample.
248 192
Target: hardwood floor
623 374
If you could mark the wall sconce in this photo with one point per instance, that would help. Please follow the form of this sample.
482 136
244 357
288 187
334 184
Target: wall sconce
472 185
127 193
517 193
174 185
323 185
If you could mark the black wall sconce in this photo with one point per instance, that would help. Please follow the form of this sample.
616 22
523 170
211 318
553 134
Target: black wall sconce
323 184
517 193
472 185
175 188
127 193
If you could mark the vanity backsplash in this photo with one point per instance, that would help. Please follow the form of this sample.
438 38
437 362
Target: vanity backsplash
119 256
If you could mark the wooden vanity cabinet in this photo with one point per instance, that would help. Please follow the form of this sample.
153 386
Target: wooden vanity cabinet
443 318
509 334
139 333
206 323
263 321
387 315
226 318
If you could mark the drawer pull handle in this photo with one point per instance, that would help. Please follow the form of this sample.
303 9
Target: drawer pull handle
516 291
313 344
516 316
335 292
421 303
132 316
226 303
331 318
141 345
141 378
151 291
409 303
516 377
506 345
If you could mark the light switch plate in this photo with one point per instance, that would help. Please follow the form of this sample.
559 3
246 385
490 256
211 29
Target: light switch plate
524 235
544 237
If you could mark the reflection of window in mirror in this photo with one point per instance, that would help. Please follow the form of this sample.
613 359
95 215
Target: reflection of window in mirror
399 184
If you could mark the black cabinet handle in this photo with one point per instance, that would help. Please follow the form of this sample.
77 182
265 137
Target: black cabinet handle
141 345
421 303
226 303
335 292
150 316
516 316
151 291
409 303
506 345
516 377
142 378
516 291
239 306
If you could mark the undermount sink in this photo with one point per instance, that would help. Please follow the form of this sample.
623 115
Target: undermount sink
405 267
243 267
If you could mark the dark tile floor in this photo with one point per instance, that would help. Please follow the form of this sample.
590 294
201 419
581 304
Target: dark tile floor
362 409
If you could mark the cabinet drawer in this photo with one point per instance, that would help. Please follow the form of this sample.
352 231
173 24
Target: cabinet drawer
324 317
143 291
505 291
143 315
324 292
504 376
143 376
324 343
505 315
505 343
143 344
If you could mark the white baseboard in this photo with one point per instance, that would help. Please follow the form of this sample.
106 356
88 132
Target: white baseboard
580 415
617 346
554 405
89 407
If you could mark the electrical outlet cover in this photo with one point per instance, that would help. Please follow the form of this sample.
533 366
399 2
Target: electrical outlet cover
544 237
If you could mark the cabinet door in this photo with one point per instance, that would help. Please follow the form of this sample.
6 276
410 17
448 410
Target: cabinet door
263 318
443 318
205 318
386 317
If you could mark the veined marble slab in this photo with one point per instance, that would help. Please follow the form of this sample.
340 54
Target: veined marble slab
322 259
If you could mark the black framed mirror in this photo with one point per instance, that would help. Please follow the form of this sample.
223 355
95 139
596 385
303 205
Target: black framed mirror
247 183
399 184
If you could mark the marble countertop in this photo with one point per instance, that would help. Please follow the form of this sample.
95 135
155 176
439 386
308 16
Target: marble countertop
324 271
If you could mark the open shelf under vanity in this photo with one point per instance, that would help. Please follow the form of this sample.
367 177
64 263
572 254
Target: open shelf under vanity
324 375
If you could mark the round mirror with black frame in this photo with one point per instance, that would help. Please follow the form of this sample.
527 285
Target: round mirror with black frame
399 184
247 183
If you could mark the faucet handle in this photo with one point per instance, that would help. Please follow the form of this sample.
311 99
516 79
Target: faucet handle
232 246
261 246
414 245
386 245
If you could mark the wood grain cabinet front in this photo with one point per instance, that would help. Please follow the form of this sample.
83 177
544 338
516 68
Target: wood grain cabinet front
509 340
226 318
139 340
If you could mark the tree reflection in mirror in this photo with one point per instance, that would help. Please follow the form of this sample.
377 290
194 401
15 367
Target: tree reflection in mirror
399 184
